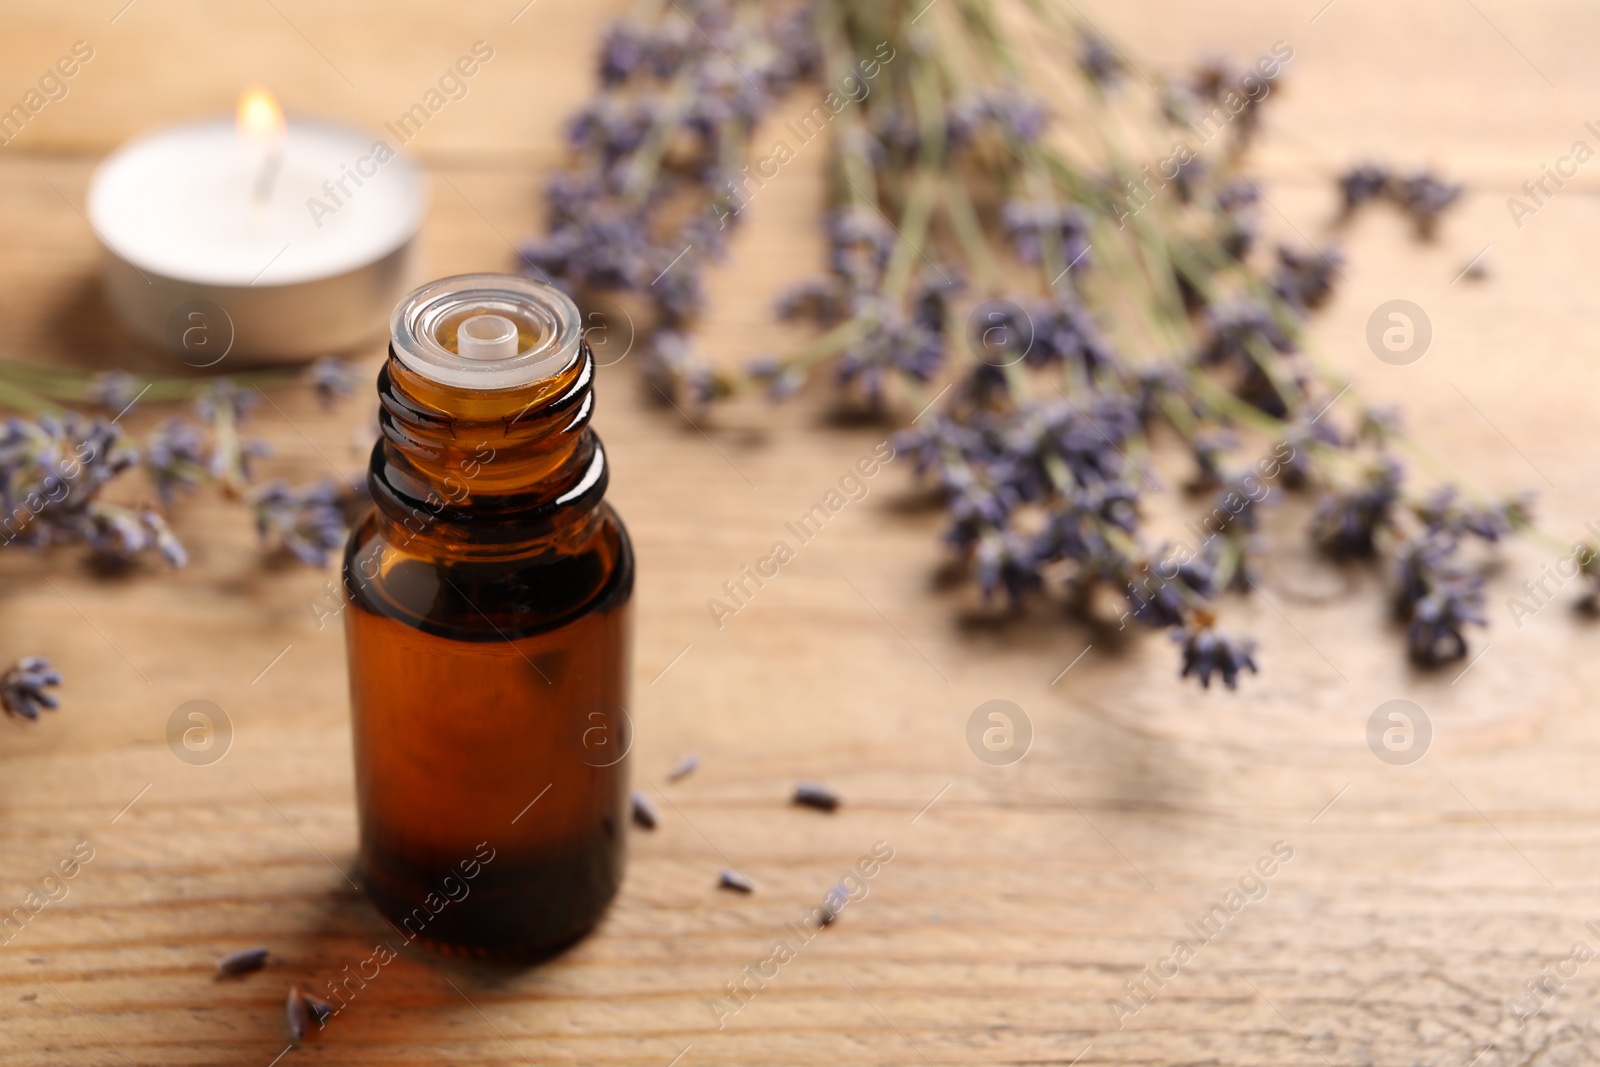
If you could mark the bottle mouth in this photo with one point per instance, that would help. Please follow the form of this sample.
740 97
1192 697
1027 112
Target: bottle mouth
486 331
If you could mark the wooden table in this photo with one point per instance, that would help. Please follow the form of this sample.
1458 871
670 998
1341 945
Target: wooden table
1020 899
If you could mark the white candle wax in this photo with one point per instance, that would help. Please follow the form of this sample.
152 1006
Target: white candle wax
301 238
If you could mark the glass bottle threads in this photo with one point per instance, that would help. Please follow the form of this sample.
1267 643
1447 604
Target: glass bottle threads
488 627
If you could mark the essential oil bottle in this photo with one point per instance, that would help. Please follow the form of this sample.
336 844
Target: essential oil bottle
488 628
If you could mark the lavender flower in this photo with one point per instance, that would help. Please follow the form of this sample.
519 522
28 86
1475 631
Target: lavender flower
224 399
120 537
310 522
115 389
1304 279
176 457
1030 224
895 344
1362 184
1234 332
334 380
1207 651
1348 523
1239 219
1013 119
1424 197
1006 561
52 473
623 50
1154 601
23 688
1444 512
782 379
1434 635
1099 63
679 373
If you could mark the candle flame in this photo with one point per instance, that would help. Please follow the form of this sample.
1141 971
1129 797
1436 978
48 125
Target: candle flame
260 117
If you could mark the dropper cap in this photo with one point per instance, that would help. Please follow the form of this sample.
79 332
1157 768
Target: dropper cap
486 331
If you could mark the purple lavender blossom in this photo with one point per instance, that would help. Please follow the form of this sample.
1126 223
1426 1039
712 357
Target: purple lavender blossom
176 456
675 367
1099 63
334 380
23 688
1348 523
1030 224
1304 279
1361 184
1424 197
115 389
1434 634
52 473
623 50
1005 561
310 522
1207 651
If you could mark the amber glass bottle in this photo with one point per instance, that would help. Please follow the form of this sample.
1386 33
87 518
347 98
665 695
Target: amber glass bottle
488 628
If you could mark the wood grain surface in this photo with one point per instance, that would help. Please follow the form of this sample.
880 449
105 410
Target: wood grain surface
1019 899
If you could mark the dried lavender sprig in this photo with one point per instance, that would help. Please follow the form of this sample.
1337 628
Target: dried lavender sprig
673 116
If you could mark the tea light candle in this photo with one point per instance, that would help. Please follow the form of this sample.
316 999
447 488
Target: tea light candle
257 239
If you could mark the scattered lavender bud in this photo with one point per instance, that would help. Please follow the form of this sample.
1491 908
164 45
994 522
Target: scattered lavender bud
683 768
833 902
296 1013
29 996
320 1009
644 812
243 962
22 688
815 795
729 879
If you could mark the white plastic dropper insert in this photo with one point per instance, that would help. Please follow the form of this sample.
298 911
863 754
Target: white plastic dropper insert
487 337
489 313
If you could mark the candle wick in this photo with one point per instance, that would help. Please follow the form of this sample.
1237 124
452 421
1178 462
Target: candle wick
267 176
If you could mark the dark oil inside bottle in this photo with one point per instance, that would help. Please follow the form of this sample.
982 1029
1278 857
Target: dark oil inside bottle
489 642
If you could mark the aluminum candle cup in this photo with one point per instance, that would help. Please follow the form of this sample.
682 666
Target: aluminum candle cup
257 240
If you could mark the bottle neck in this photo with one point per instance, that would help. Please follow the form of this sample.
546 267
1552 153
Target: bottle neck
485 473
